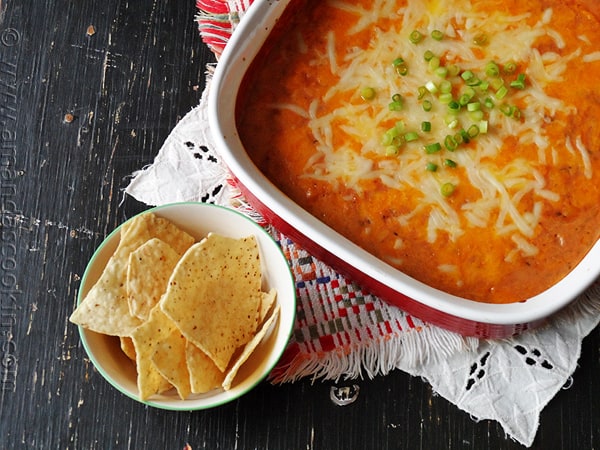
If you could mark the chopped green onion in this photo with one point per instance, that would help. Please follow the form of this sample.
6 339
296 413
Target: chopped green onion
473 106
391 150
426 126
428 55
445 86
519 83
453 70
411 136
466 96
510 111
402 69
449 163
441 72
453 106
496 83
473 131
451 121
459 138
447 189
450 143
445 97
488 102
501 93
473 81
415 37
395 106
437 35
492 69
510 67
390 136
433 148
431 167
467 75
397 103
367 93
427 105
432 87
434 63
484 85
400 66
483 126
480 39
476 116
422 91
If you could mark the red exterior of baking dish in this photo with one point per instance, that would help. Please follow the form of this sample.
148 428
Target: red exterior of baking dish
460 315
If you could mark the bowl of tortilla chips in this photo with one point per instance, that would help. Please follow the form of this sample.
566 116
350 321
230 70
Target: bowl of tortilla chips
186 306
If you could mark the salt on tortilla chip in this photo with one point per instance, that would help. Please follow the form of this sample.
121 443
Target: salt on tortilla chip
217 283
249 348
148 272
169 358
105 308
204 374
146 338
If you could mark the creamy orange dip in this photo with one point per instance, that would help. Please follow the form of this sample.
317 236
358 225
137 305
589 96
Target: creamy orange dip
454 139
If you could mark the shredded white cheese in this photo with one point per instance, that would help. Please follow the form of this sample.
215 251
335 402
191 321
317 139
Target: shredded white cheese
502 190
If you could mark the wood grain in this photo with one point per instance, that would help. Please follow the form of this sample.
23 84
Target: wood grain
126 85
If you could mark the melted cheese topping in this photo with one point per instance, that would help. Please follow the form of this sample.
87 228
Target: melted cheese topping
501 187
521 192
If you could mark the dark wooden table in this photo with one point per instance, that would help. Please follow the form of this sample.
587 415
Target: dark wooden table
82 108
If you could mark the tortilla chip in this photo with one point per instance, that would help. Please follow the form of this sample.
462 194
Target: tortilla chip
169 358
204 374
266 303
217 284
146 339
127 347
148 272
105 308
249 349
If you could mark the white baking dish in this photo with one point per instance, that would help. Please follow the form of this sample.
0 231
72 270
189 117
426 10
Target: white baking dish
457 314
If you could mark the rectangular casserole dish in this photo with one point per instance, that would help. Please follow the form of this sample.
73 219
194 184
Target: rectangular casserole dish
457 314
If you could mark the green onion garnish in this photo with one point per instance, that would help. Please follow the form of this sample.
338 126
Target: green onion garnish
411 136
492 69
427 105
501 93
449 163
367 93
426 126
428 55
432 148
431 167
473 131
480 39
437 35
447 189
432 87
519 83
510 67
415 37
445 97
450 143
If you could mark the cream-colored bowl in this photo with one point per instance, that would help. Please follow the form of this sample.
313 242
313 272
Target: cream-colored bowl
199 219
457 314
